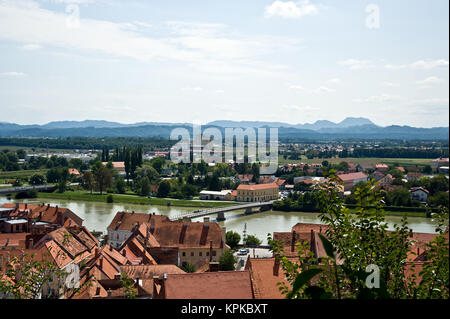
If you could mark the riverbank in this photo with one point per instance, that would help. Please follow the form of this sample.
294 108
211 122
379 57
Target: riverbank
131 199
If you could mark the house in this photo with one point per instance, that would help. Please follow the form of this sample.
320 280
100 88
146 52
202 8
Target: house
257 193
266 179
419 193
365 167
352 179
123 223
386 180
214 195
206 285
177 242
36 217
377 175
383 168
119 166
438 162
244 178
413 176
74 172
265 274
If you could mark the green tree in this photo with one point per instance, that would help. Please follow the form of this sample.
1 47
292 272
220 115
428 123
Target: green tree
103 178
232 239
227 261
88 181
120 185
251 240
164 189
37 179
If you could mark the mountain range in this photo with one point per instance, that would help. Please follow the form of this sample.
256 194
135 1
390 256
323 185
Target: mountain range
351 127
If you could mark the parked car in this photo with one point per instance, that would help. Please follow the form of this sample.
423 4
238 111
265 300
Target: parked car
243 252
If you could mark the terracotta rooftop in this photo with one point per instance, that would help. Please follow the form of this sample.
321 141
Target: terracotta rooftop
149 271
233 285
352 176
257 186
265 274
127 220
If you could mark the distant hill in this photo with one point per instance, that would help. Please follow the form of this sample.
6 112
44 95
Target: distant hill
360 128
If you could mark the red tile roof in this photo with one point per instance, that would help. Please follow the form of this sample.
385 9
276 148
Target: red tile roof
232 284
257 186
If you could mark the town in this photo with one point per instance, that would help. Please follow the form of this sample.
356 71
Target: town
147 255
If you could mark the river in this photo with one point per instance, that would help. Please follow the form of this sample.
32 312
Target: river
98 215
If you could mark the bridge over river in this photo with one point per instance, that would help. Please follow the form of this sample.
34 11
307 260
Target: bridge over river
220 211
12 190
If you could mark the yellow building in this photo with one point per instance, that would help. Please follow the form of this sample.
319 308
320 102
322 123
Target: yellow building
257 193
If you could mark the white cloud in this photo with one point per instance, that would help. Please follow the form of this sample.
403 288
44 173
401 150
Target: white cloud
356 64
192 89
390 84
220 91
31 47
13 74
419 65
212 48
290 9
299 107
381 98
297 87
323 89
430 80
334 81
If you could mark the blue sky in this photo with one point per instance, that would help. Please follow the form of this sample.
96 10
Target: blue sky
183 61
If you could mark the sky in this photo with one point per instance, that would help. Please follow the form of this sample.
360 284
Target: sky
203 60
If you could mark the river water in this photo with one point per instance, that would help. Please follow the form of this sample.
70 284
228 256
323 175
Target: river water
98 215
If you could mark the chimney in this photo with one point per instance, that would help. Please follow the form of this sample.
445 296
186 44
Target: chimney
210 251
132 212
110 248
97 291
48 206
185 221
293 240
96 252
320 229
124 253
100 262
152 226
224 233
311 244
206 221
276 266
418 251
26 206
213 266
30 243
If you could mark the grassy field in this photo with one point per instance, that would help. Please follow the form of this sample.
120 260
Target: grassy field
364 160
21 174
130 199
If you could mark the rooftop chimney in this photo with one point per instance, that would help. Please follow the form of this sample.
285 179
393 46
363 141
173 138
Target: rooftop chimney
276 266
124 253
100 261
30 243
206 221
293 240
152 226
210 251
213 266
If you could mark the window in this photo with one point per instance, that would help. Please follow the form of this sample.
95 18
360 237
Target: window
192 254
207 253
214 252
184 254
200 254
